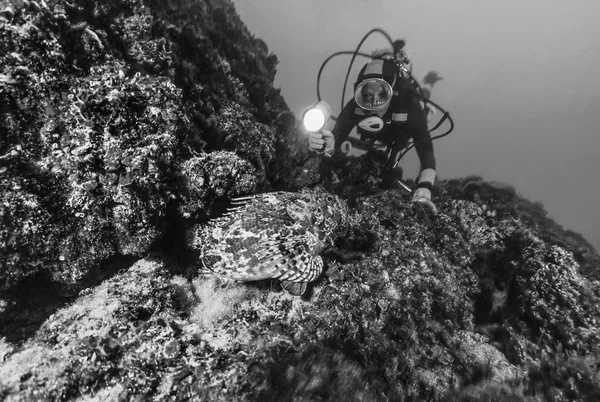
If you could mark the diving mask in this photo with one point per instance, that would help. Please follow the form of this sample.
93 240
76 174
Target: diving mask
373 95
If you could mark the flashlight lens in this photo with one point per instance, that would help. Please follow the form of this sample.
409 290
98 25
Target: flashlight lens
314 119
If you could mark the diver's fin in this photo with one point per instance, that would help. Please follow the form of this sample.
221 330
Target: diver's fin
294 288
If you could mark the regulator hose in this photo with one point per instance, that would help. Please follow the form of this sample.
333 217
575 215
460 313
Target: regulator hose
417 93
327 61
356 52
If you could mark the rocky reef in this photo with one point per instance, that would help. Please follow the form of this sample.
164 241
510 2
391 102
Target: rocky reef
126 122
111 116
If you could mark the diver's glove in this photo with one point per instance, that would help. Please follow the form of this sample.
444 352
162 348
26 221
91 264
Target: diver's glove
321 142
423 195
431 78
423 192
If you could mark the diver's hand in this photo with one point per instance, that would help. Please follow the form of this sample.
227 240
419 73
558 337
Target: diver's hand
423 196
322 142
431 78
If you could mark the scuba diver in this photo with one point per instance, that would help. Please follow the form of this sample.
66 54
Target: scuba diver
386 108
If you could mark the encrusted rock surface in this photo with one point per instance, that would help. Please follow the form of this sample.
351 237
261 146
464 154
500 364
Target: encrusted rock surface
106 107
127 122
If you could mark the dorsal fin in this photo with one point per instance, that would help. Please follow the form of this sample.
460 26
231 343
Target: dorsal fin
237 205
262 196
242 200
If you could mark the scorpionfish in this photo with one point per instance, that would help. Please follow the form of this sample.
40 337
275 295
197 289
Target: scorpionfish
273 235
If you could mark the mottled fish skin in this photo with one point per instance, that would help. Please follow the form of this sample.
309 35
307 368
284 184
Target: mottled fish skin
273 235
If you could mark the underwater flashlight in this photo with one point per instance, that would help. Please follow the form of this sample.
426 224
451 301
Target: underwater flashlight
316 117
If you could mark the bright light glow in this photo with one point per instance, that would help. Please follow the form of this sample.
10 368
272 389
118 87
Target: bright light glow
314 119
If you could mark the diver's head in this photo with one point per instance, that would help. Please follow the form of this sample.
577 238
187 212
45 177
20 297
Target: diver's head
373 90
373 95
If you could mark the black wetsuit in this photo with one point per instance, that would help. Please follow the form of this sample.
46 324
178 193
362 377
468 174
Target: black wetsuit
404 119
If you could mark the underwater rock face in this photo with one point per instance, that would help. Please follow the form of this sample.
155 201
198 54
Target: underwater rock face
105 107
126 121
214 176
425 315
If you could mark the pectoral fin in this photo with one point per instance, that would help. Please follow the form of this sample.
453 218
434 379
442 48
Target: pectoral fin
295 288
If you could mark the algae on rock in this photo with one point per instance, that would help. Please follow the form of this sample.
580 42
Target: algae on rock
129 121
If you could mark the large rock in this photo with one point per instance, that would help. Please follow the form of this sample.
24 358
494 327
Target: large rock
461 304
106 107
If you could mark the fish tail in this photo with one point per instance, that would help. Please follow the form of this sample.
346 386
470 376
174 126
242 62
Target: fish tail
294 288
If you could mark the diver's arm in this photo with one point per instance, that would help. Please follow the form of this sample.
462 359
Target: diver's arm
422 193
424 148
344 124
327 142
426 89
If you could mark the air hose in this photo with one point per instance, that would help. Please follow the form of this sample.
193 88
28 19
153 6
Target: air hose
446 115
356 52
